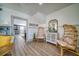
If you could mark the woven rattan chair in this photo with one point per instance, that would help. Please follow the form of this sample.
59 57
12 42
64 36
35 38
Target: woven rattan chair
69 40
41 34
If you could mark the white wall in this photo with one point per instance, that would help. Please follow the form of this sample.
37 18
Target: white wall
0 16
6 14
20 22
39 19
5 19
68 15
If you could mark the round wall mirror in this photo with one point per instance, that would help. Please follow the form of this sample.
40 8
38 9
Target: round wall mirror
53 25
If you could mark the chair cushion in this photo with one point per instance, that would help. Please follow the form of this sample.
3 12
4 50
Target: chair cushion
68 40
64 44
4 40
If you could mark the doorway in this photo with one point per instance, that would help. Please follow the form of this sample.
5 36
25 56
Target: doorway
19 31
19 26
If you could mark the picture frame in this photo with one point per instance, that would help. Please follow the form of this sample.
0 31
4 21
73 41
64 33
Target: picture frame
53 25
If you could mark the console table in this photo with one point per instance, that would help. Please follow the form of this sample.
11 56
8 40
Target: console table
52 37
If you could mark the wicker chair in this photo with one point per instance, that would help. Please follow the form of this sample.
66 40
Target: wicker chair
69 40
40 34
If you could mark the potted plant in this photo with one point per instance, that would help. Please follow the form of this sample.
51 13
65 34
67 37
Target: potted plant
34 37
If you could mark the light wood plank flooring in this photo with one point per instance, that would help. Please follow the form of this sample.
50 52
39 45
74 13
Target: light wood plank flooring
34 48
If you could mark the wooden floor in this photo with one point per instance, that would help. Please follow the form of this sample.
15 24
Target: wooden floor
34 48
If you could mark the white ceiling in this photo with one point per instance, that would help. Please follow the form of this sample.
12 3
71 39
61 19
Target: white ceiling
33 8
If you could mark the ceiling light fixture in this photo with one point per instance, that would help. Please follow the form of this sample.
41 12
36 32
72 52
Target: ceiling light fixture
40 3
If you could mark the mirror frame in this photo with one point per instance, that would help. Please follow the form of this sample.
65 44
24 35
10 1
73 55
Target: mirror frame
53 25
